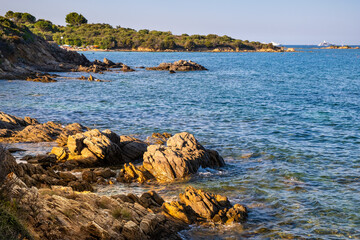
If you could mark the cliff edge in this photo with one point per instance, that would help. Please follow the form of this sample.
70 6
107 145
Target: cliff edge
22 53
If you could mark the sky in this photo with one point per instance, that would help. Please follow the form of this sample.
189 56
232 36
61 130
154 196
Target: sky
281 21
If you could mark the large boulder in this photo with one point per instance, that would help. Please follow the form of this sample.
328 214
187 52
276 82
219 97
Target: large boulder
197 206
132 148
181 65
94 148
182 156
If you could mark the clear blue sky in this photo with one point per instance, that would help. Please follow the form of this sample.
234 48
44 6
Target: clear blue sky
283 21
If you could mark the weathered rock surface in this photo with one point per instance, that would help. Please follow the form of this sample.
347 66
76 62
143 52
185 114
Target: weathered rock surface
61 213
96 148
199 206
182 157
15 129
181 65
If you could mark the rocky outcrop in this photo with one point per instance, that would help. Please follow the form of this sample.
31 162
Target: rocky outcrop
22 53
15 129
62 213
96 148
180 65
182 157
197 206
99 67
179 159
39 77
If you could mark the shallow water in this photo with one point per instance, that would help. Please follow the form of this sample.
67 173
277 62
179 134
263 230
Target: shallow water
287 124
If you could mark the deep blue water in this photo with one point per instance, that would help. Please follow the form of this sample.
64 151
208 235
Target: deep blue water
287 124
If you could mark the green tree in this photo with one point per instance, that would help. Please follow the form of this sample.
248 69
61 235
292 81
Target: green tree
75 19
190 45
27 17
9 14
44 25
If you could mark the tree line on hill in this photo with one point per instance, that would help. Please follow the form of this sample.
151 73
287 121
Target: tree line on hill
79 33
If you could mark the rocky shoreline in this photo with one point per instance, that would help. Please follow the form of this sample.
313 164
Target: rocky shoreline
56 192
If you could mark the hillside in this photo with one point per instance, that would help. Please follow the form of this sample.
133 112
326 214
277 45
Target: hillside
106 36
23 53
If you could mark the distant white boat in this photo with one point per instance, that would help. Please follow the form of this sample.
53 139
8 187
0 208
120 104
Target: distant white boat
276 44
325 44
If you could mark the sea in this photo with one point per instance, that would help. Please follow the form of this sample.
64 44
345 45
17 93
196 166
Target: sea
287 125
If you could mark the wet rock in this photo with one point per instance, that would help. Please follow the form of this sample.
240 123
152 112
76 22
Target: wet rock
182 157
42 78
91 78
108 62
172 71
126 68
180 65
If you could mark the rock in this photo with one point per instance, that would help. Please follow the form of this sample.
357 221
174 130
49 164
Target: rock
7 163
132 231
29 130
94 148
182 157
8 121
105 173
41 78
180 65
151 200
22 57
91 78
132 148
59 152
67 176
131 173
126 68
108 62
199 206
89 176
80 186
158 138
172 71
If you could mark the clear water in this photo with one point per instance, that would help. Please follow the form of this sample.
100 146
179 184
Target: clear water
288 125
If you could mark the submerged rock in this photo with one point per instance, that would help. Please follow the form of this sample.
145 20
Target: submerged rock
181 65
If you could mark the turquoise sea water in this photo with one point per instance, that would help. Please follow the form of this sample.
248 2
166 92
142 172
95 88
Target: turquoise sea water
287 124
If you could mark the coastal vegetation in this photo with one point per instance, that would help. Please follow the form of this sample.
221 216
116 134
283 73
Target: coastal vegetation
79 33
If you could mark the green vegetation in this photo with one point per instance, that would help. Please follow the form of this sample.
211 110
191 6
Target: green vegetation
75 19
121 213
79 33
10 226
